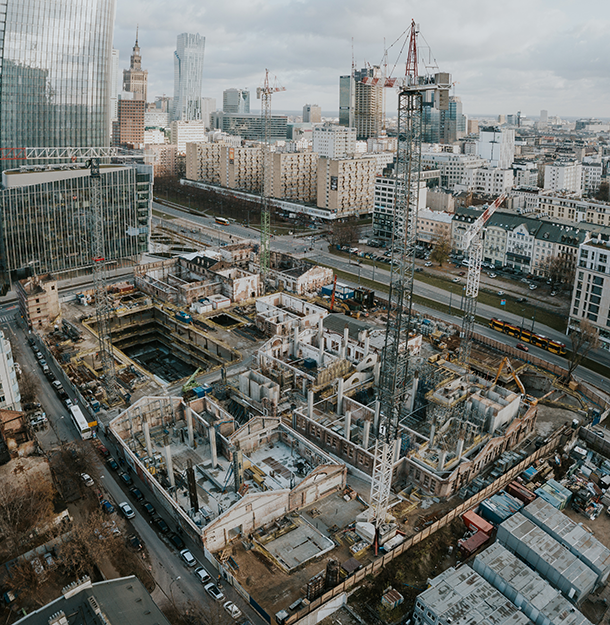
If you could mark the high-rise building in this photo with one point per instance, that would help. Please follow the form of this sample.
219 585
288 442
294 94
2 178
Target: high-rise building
188 77
208 106
128 131
55 73
361 102
236 101
135 79
115 87
452 121
250 127
312 113
45 214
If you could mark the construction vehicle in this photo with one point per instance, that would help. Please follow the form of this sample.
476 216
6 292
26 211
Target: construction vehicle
532 401
191 383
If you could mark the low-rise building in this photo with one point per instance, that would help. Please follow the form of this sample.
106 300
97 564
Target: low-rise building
163 158
38 300
433 226
10 396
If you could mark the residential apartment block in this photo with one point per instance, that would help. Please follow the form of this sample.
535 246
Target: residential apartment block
183 132
497 146
203 162
563 175
292 176
433 226
591 178
38 300
453 167
487 180
383 212
347 185
332 141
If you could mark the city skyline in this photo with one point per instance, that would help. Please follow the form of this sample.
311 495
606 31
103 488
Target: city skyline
542 55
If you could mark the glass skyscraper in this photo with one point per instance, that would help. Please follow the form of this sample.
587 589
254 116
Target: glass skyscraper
55 73
188 77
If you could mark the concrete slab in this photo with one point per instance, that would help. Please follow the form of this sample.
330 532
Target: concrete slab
299 545
333 511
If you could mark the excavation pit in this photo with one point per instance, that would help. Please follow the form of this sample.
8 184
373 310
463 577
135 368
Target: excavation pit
166 348
225 321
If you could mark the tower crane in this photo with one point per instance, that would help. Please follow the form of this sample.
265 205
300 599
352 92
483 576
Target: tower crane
264 94
393 379
474 245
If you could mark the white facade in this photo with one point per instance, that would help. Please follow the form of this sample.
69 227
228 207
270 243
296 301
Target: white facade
488 181
115 85
334 141
10 397
497 146
453 167
154 136
494 245
591 178
591 294
156 119
208 106
184 132
188 77
563 176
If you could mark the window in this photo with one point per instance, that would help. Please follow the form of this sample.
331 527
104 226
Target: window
598 280
591 316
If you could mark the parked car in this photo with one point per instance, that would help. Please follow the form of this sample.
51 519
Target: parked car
455 280
188 557
127 510
105 453
202 574
522 347
136 493
126 478
500 293
162 526
86 479
493 275
533 287
427 264
462 273
176 541
149 508
112 463
553 293
231 609
135 542
31 341
214 592
522 300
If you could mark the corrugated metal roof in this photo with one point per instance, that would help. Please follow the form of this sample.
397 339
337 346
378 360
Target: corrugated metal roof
537 592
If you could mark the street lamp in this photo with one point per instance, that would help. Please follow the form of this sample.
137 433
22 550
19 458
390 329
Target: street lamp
533 321
171 592
450 298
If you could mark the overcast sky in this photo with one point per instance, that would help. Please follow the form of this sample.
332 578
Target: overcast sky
522 55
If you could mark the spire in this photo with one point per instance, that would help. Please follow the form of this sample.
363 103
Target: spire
137 29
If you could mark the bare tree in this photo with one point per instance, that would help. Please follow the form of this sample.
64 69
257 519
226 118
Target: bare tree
28 386
25 582
558 269
441 250
584 339
343 232
23 509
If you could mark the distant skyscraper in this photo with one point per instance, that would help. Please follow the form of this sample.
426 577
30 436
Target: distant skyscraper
208 106
236 101
135 79
453 122
312 113
55 73
115 87
361 104
544 117
188 77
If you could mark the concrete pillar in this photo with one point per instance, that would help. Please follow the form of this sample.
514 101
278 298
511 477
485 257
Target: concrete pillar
304 386
320 334
345 340
376 421
168 463
441 460
212 435
460 448
294 419
295 342
377 371
432 433
397 443
146 428
366 434
414 388
347 424
340 396
321 353
366 343
189 425
310 395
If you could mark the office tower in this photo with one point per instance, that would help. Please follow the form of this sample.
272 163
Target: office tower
452 121
346 101
128 132
312 113
55 73
188 77
544 117
135 79
208 106
497 145
115 86
236 101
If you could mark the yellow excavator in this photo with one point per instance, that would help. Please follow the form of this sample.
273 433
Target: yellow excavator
505 361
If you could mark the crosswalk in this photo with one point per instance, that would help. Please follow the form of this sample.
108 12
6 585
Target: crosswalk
7 318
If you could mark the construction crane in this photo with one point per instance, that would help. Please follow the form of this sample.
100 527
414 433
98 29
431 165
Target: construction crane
393 380
264 94
332 297
474 245
95 219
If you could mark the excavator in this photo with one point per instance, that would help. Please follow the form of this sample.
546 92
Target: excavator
505 361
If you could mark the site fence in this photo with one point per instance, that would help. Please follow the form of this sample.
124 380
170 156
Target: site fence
375 566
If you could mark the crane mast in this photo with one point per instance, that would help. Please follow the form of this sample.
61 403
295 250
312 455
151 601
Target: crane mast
264 93
474 244
394 372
